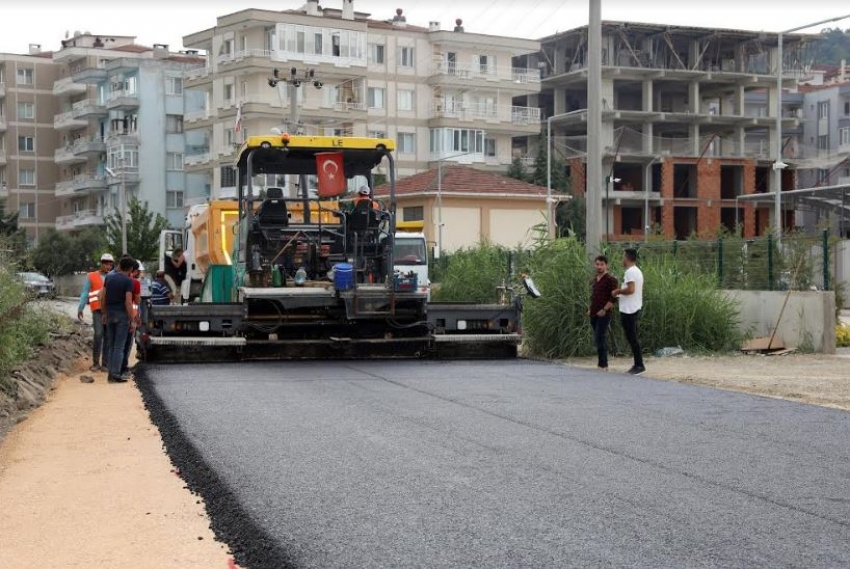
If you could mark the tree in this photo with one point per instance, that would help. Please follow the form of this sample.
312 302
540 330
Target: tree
572 217
540 175
8 223
143 229
517 170
60 253
833 46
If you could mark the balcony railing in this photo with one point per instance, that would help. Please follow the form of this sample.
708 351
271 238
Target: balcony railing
488 72
119 99
80 183
243 54
345 106
67 86
199 115
196 73
196 155
68 120
494 113
88 107
80 219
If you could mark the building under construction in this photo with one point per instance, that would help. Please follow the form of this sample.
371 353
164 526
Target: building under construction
689 124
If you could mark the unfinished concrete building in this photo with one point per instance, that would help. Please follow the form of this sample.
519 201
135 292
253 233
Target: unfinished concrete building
681 140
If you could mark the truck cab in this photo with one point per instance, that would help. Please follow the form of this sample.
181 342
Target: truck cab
411 256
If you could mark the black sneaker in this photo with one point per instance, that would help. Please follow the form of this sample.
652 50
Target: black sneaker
637 370
116 379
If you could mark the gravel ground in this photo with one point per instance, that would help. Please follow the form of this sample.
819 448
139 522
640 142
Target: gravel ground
503 464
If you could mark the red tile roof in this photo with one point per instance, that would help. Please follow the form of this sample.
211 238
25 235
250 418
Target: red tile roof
463 180
131 48
181 58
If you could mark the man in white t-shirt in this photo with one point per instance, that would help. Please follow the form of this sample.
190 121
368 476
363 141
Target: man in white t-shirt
631 303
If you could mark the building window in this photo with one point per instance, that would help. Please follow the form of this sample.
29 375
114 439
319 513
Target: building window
377 134
26 211
26 143
405 57
847 108
26 111
405 100
26 177
823 110
228 93
174 161
456 141
173 124
174 199
25 77
844 135
173 86
490 147
415 213
376 53
318 43
228 177
376 98
823 142
406 143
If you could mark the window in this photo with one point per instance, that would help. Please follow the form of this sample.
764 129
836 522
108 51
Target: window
26 177
376 53
26 110
173 86
844 136
27 211
823 110
376 98
230 137
847 108
454 141
318 43
489 147
130 86
173 199
244 92
377 134
405 100
228 93
300 39
25 77
335 45
26 144
405 57
415 213
173 124
823 142
173 160
482 64
406 143
228 177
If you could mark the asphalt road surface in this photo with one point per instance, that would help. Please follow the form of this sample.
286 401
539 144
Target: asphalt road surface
505 464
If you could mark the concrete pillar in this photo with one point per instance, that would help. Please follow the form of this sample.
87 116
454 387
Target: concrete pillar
740 99
559 101
647 138
693 54
740 141
693 133
693 97
647 96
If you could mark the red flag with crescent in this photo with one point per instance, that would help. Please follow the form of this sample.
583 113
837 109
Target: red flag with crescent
331 175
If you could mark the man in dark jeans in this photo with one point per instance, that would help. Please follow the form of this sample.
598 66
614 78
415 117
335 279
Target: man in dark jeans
602 289
631 304
117 298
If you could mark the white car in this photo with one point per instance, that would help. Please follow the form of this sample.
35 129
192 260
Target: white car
38 285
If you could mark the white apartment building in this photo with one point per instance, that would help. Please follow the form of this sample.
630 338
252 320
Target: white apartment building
442 95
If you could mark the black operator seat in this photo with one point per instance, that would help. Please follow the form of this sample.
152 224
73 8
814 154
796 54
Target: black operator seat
273 212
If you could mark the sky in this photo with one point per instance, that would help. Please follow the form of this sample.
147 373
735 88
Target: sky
46 22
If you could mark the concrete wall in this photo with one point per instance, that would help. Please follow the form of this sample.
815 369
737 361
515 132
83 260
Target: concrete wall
70 285
842 269
808 317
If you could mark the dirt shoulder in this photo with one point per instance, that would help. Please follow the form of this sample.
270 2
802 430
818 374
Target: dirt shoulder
84 482
817 379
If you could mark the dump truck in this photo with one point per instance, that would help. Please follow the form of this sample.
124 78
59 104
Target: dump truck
273 276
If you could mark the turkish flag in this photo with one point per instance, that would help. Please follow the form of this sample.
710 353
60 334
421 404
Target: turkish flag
330 173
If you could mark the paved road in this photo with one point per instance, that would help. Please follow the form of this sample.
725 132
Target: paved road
517 464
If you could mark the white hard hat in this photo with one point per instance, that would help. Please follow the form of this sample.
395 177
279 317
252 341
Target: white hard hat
364 191
141 267
106 258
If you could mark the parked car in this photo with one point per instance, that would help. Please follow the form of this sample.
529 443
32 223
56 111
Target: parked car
38 285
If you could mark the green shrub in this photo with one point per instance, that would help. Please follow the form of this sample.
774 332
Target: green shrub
472 275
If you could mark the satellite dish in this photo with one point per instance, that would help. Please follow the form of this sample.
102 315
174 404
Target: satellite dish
530 287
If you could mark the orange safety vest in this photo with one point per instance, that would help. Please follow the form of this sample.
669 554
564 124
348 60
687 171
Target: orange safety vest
95 284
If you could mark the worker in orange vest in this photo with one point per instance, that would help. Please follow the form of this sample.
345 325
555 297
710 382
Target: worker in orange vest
91 289
364 199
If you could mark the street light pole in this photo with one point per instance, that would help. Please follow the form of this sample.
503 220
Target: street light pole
594 127
779 165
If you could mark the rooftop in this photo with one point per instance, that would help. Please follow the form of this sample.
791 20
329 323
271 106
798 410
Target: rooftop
463 180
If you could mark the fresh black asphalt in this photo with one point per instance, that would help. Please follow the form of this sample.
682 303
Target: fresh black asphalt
502 464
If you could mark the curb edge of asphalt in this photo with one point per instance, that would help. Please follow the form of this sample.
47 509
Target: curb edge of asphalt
249 544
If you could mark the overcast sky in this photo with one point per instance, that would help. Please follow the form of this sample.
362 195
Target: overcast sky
45 22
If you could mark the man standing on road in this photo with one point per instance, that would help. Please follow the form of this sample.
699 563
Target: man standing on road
602 289
117 298
631 303
90 296
134 323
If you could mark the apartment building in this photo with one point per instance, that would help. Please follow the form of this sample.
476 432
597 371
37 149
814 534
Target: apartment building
442 95
689 120
120 123
27 139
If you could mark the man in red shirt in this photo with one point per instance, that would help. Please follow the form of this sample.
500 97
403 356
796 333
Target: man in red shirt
601 303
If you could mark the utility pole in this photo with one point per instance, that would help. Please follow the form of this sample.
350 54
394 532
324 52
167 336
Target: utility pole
594 128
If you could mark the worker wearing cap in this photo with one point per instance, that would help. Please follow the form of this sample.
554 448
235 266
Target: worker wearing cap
91 290
364 199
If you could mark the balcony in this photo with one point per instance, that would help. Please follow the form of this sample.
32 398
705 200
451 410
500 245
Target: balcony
345 106
65 155
80 184
90 75
89 108
526 116
122 65
198 115
125 175
122 101
67 87
68 121
242 55
516 75
83 218
89 145
196 155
